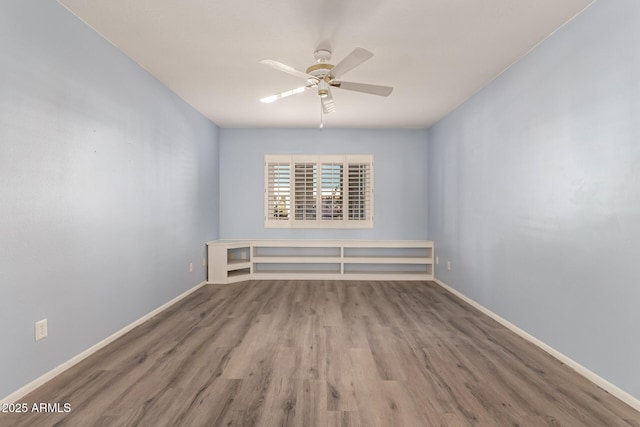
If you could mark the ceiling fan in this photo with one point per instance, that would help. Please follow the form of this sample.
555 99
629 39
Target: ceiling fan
323 76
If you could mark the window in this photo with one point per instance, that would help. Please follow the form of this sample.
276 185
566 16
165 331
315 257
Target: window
319 191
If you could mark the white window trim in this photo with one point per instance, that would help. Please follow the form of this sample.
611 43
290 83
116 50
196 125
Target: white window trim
345 160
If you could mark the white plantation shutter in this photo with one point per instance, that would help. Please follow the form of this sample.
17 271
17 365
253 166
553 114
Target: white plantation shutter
319 191
305 191
331 185
360 186
279 191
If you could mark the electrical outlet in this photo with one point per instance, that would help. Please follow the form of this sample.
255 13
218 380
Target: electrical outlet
449 265
204 261
190 267
437 260
41 329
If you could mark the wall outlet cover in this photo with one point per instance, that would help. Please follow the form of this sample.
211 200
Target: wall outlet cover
41 329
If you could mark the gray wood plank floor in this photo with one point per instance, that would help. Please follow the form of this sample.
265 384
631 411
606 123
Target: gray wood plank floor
314 353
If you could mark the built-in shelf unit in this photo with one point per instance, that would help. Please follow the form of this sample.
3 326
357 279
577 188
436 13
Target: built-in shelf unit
232 261
229 261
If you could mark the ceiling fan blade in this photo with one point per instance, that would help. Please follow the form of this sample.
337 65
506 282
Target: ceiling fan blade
355 58
328 106
363 87
287 69
272 98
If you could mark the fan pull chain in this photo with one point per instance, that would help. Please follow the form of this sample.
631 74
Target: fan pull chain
321 124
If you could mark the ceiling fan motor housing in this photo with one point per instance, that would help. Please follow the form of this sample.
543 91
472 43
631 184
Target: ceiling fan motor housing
320 70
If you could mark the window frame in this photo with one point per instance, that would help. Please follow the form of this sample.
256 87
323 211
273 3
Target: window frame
335 217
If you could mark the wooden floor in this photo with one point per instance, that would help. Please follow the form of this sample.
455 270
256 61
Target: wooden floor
276 353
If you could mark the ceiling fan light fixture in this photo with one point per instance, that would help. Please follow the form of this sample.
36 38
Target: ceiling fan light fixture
323 89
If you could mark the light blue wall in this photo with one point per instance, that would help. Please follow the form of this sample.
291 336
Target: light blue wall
534 193
400 181
108 189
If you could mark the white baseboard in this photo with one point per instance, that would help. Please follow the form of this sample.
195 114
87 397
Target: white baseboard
23 391
591 376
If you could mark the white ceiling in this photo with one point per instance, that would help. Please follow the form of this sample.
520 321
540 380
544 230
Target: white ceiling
435 53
